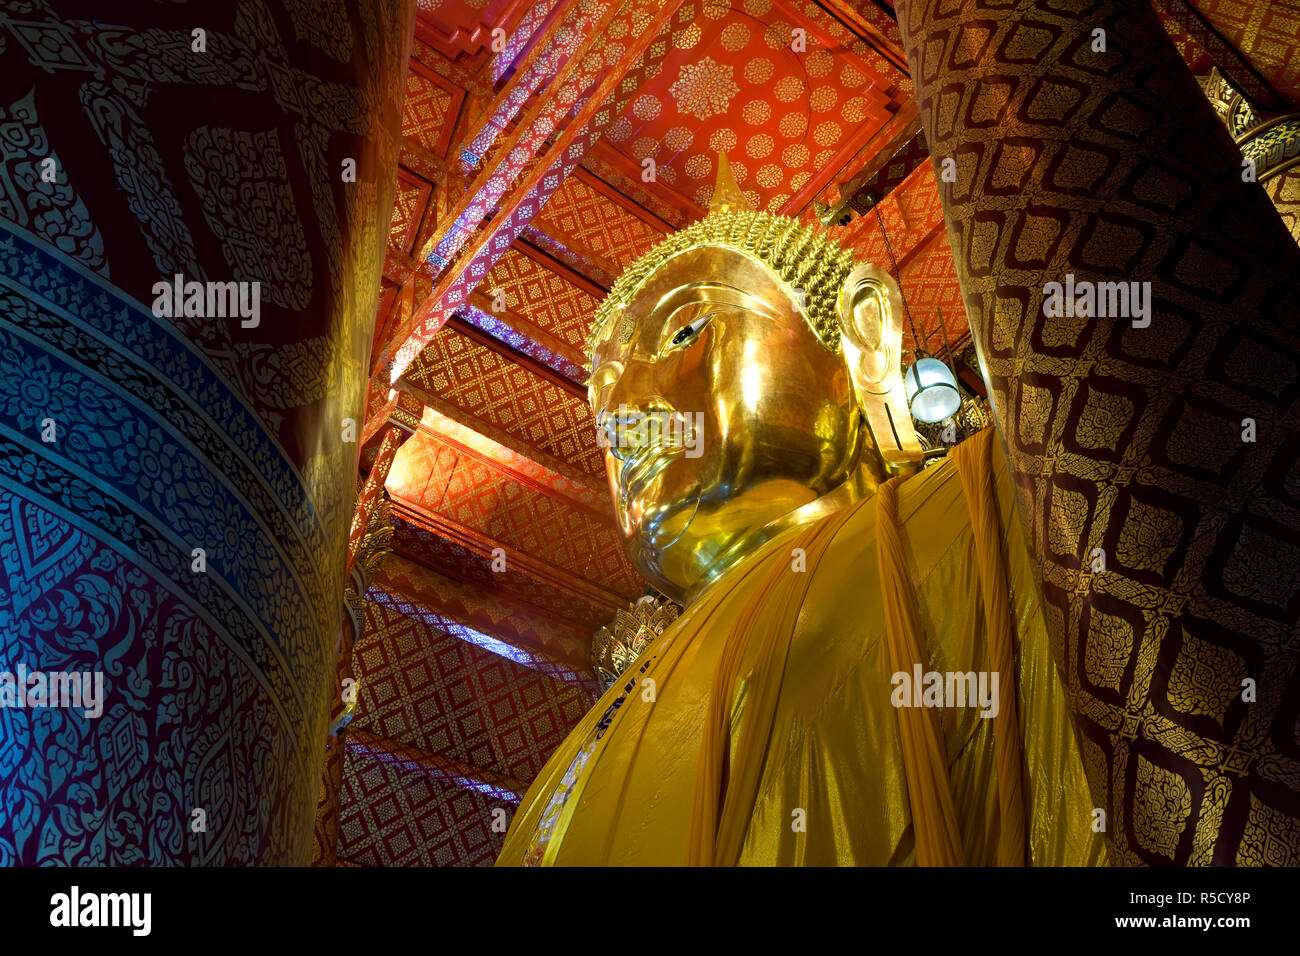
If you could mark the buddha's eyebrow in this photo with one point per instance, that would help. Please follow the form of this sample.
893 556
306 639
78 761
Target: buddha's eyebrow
693 287
696 293
676 298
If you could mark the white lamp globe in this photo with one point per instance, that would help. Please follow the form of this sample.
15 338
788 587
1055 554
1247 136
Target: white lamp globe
931 391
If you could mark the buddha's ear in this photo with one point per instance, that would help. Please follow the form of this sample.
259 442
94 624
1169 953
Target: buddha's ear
871 333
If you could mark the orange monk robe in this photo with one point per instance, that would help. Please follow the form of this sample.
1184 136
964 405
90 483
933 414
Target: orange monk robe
760 727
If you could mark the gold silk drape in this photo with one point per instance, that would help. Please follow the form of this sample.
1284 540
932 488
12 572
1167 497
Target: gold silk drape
925 760
759 727
974 461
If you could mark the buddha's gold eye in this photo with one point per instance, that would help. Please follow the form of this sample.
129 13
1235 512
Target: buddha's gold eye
689 332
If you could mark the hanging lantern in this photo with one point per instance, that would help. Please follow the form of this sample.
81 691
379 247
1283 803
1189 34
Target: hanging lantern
931 390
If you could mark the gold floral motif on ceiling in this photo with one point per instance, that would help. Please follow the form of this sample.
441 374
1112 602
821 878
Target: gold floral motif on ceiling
542 297
1268 36
427 112
408 208
581 217
703 89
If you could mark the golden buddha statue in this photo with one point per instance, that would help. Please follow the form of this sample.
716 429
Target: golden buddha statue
861 674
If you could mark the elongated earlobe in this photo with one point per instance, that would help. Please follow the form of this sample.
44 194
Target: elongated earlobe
872 338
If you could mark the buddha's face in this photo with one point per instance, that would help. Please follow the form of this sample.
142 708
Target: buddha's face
750 415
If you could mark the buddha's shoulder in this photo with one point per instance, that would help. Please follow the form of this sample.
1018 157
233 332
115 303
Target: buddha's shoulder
840 627
934 526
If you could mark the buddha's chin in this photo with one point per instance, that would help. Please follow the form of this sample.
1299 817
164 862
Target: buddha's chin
680 545
660 546
687 544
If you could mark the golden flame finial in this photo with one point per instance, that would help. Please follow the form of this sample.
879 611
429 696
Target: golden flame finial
726 194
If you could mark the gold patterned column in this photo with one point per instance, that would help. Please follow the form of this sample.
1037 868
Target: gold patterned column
1156 462
369 543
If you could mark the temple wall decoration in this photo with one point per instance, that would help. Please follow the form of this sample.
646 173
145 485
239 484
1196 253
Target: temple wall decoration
369 543
1264 40
454 720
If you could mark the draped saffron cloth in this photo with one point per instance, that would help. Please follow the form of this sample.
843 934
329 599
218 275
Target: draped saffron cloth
764 726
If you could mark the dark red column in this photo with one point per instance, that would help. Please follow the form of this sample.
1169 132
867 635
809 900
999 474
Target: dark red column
1166 450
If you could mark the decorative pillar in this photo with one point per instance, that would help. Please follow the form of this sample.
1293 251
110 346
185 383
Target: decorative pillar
194 203
369 543
1155 452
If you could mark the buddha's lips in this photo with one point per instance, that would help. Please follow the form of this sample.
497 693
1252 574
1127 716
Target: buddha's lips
640 468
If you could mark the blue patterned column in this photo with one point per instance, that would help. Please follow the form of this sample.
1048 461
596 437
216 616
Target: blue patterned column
175 492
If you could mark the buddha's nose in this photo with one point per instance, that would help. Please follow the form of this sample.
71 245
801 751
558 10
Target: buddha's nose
628 429
635 386
631 399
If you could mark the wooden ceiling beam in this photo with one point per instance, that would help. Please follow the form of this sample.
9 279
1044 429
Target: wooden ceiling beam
518 185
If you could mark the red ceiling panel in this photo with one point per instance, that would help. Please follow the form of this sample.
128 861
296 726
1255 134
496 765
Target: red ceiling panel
783 93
